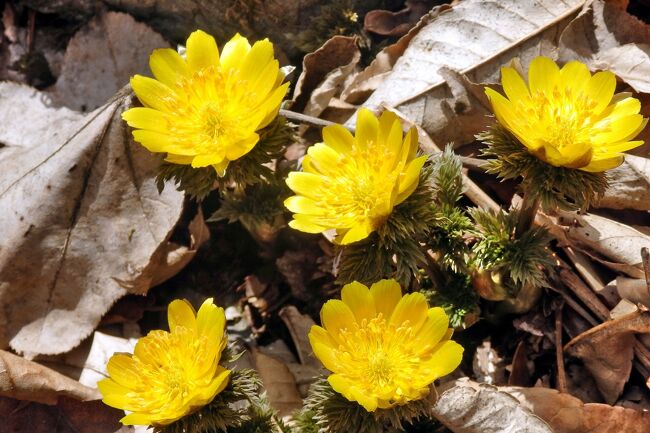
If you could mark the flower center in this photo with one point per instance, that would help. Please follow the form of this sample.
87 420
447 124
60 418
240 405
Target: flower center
215 121
380 368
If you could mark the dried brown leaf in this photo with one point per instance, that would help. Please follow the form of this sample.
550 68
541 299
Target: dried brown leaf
27 380
82 219
68 416
100 59
389 23
299 326
629 185
324 73
607 351
279 383
567 414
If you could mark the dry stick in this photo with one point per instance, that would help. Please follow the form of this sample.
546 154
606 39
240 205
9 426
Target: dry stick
474 164
645 258
559 352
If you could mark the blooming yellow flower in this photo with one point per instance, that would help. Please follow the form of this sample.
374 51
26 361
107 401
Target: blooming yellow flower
205 109
567 117
170 374
351 183
384 349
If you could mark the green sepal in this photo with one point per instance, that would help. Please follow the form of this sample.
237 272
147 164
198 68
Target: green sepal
327 411
566 188
247 170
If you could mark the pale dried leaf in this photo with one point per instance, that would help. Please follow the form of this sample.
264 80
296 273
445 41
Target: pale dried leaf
567 414
634 290
614 244
476 38
100 59
606 37
26 380
629 185
469 407
607 351
80 212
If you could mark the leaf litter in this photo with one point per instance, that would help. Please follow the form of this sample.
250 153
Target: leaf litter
433 75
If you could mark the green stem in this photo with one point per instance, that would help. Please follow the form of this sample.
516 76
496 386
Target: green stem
527 212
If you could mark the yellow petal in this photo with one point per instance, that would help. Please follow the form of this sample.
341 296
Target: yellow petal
543 73
110 387
369 402
168 66
151 93
447 358
220 167
273 105
616 148
234 52
341 385
211 320
181 313
367 128
260 54
137 419
621 129
355 234
323 157
513 85
433 330
410 179
358 298
386 294
307 184
388 121
306 226
303 205
266 80
335 316
575 75
179 159
161 142
147 118
122 370
207 159
598 165
218 384
242 147
338 138
601 88
202 51
413 308
323 349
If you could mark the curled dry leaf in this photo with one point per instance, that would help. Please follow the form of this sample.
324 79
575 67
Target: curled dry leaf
367 81
614 244
469 407
108 50
82 219
324 73
299 326
629 185
26 380
475 38
279 383
606 37
607 351
68 416
389 23
568 414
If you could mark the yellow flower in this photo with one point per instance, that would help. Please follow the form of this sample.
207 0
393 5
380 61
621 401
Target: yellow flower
351 183
205 109
170 374
567 117
384 349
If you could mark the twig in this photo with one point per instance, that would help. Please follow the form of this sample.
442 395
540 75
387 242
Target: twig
527 212
559 352
645 258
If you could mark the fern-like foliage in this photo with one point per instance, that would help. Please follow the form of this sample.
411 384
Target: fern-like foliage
326 411
519 260
566 188
455 294
250 169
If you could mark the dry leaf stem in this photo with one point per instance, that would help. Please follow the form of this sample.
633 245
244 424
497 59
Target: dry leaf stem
559 352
